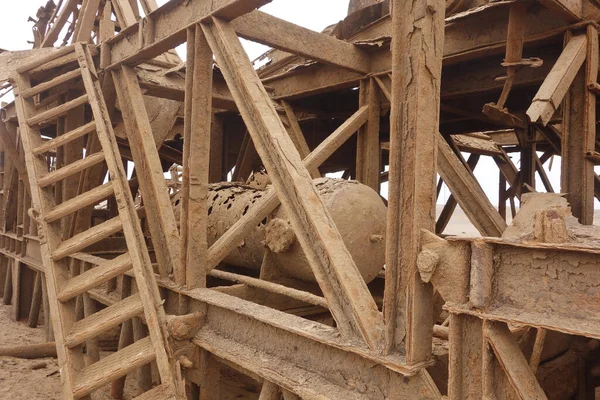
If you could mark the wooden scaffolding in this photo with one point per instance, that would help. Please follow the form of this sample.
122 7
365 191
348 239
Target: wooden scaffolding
96 239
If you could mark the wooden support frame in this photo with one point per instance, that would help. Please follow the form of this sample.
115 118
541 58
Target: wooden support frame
450 206
350 302
579 133
242 228
417 52
468 193
266 29
196 161
368 152
513 362
558 81
161 219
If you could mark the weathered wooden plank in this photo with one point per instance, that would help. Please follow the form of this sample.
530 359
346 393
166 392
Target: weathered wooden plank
166 27
161 219
196 160
513 361
570 10
277 33
579 134
347 295
465 361
86 20
297 136
368 151
269 391
468 193
557 83
417 51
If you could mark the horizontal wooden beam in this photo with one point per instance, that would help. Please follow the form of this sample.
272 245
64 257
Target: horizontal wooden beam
280 34
166 27
573 312
332 369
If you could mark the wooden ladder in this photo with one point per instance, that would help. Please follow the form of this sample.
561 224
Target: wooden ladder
64 286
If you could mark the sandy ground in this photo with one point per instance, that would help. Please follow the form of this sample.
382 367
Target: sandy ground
17 379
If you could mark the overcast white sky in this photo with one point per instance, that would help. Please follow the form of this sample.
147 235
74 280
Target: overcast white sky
15 31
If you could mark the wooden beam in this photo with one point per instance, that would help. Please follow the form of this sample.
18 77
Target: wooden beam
350 302
417 52
450 206
579 134
465 364
269 391
196 160
513 361
161 219
557 83
297 136
569 10
280 34
368 151
166 27
86 20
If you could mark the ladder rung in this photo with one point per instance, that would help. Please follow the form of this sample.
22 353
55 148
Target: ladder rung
42 87
50 57
89 198
104 320
114 366
66 138
56 112
68 170
87 238
160 392
94 277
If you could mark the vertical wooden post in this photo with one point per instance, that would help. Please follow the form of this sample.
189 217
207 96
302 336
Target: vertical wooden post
48 329
144 379
36 301
16 281
196 160
216 150
71 153
417 51
211 376
579 135
269 391
161 219
368 152
502 195
8 286
465 361
528 157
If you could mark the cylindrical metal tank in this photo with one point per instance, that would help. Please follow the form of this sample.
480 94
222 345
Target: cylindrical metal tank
357 210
